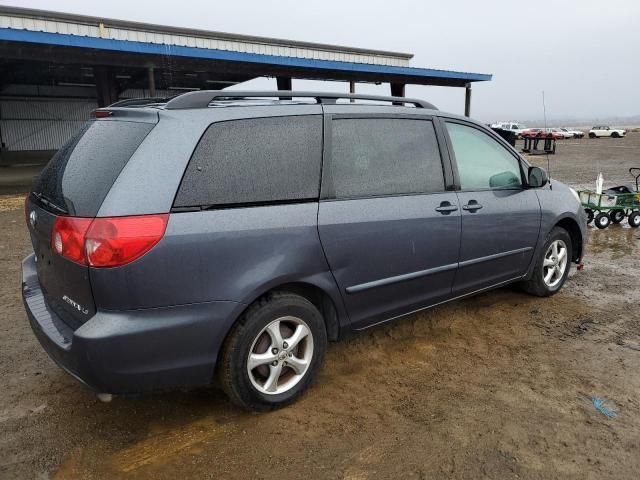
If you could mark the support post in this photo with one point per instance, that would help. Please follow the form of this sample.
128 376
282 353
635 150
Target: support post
152 81
467 100
284 83
352 90
106 86
397 90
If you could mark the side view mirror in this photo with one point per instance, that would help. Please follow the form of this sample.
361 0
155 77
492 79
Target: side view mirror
537 177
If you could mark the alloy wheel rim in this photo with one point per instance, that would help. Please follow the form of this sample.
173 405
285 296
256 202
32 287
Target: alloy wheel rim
280 355
555 263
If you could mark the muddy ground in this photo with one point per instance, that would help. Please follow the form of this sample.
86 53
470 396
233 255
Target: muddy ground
497 386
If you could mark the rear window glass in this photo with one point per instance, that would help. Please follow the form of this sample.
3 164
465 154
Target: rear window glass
81 173
255 161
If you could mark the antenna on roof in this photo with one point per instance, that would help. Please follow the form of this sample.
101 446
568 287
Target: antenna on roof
546 132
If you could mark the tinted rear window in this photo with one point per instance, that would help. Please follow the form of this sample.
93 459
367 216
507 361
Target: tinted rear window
255 161
382 156
81 173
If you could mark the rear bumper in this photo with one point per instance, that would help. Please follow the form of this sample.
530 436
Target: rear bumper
132 351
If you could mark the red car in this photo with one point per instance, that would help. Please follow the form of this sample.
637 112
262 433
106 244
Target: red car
541 133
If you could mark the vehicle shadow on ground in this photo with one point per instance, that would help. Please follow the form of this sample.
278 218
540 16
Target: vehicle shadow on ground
141 434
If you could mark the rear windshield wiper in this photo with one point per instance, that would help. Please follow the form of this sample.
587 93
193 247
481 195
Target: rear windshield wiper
46 201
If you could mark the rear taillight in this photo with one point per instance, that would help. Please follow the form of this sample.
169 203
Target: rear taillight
115 241
102 113
107 242
67 238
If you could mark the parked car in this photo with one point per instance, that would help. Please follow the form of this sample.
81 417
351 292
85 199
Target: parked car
530 132
514 127
573 133
561 132
217 237
542 133
604 131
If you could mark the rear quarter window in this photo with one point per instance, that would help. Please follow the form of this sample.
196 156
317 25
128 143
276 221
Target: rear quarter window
79 176
254 161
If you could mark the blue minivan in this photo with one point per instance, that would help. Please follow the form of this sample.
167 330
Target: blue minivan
225 237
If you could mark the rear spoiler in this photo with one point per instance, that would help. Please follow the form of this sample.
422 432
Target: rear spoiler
143 115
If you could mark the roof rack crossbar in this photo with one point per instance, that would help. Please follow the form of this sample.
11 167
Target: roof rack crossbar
202 98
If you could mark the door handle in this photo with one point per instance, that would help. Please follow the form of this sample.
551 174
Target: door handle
472 206
446 208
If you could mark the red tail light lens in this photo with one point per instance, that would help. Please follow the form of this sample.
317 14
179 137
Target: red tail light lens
102 113
67 238
107 242
116 241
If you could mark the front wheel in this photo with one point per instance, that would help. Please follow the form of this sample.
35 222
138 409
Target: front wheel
634 219
602 220
273 353
552 265
615 135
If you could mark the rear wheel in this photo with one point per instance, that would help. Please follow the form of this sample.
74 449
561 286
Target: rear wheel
590 215
602 220
617 216
552 265
634 219
274 352
592 135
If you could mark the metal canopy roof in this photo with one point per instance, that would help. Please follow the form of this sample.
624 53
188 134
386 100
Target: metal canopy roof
28 35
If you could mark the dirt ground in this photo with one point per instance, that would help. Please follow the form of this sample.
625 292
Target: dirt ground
496 386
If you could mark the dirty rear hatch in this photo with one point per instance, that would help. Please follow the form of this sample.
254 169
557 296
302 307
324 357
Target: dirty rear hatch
75 183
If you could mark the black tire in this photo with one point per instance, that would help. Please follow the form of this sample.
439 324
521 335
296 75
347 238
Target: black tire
590 215
536 284
615 135
232 365
602 220
634 219
617 216
592 135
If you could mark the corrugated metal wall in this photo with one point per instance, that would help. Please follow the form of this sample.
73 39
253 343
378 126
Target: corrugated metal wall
35 123
117 32
41 124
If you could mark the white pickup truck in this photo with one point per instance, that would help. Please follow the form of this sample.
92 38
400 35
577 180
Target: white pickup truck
603 131
514 127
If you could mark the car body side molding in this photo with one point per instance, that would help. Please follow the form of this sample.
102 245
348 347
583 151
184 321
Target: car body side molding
474 261
400 278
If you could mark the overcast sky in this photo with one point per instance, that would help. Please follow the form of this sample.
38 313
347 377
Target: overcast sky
584 54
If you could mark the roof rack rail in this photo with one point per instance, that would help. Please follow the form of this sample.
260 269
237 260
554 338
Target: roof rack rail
202 98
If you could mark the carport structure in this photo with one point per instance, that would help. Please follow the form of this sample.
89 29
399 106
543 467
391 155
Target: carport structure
57 55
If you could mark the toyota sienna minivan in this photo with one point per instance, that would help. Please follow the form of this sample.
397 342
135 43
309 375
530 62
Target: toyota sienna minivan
225 237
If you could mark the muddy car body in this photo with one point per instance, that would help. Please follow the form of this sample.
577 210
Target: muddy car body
230 238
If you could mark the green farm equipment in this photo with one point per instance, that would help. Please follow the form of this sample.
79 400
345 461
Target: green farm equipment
614 204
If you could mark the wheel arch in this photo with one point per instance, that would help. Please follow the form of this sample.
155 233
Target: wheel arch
577 242
319 297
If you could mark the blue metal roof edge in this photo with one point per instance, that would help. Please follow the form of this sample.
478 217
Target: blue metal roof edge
67 40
